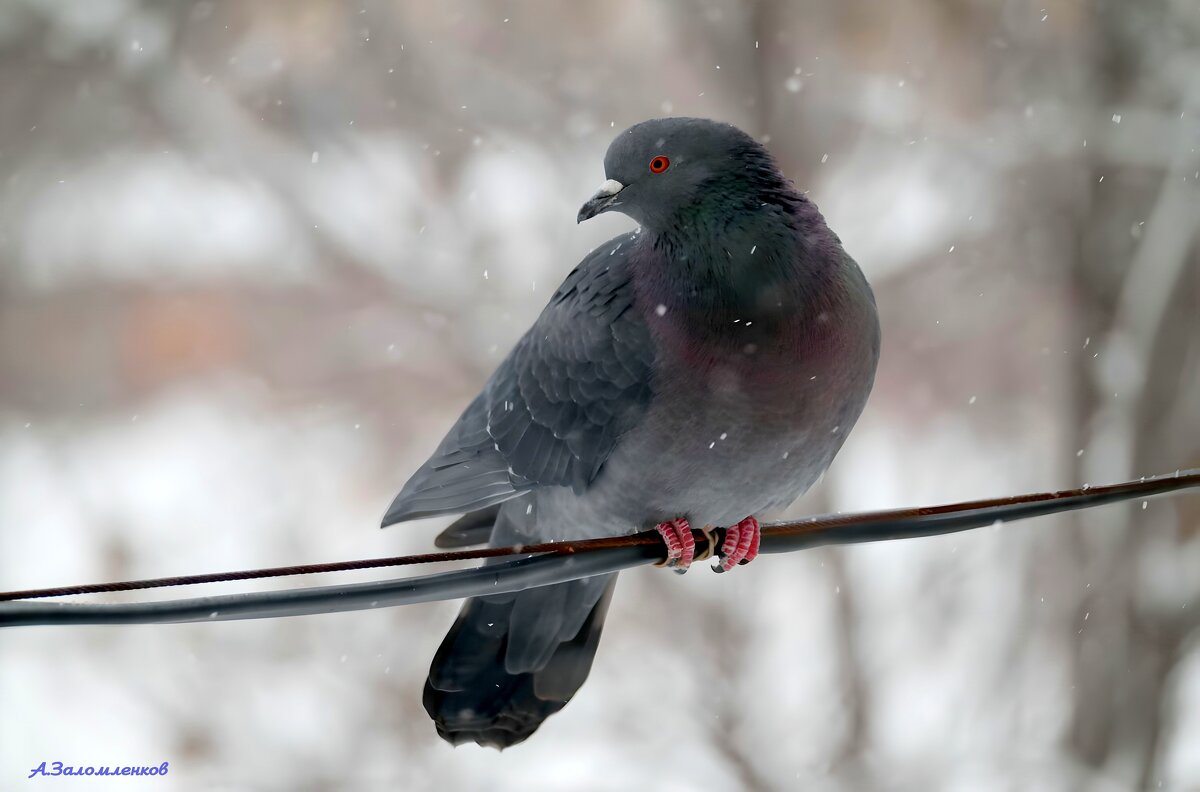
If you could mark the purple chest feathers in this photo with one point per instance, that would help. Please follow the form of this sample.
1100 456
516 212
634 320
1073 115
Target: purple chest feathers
766 354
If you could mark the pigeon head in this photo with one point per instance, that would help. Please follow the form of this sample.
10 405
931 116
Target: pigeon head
660 170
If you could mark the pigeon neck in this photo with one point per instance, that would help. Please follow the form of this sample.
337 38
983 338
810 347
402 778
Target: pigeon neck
763 261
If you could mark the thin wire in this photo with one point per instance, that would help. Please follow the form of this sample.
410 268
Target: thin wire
777 537
562 548
499 578
503 577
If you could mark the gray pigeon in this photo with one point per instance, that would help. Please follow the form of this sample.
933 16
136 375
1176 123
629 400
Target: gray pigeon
700 370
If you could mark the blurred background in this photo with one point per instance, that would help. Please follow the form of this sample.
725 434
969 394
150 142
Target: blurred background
256 257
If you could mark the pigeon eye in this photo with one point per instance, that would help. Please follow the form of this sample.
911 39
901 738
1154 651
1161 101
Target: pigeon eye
659 164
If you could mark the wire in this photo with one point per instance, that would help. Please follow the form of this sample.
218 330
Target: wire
500 578
552 563
562 548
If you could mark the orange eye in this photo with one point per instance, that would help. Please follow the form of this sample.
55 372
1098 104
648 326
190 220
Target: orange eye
659 164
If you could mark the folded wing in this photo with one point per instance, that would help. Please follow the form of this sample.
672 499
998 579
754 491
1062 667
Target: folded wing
553 411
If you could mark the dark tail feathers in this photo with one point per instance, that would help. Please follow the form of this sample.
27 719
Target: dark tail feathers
473 697
474 528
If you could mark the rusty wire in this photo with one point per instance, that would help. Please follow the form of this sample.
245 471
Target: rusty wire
536 564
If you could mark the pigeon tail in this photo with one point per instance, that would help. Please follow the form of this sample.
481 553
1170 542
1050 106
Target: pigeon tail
473 528
511 661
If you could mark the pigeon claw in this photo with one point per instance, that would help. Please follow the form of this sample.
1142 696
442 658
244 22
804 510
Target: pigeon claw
740 545
681 545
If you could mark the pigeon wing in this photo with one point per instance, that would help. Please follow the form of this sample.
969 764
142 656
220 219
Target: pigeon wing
555 408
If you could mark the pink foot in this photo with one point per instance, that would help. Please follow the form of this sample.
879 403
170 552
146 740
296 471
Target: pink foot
681 545
740 545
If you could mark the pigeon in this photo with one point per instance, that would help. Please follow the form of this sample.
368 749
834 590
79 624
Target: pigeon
700 370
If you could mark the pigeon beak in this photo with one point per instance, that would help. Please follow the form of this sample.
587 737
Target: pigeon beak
601 201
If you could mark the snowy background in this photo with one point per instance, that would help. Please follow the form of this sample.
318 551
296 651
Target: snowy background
256 257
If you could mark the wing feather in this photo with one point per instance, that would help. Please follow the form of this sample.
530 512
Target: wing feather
553 411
